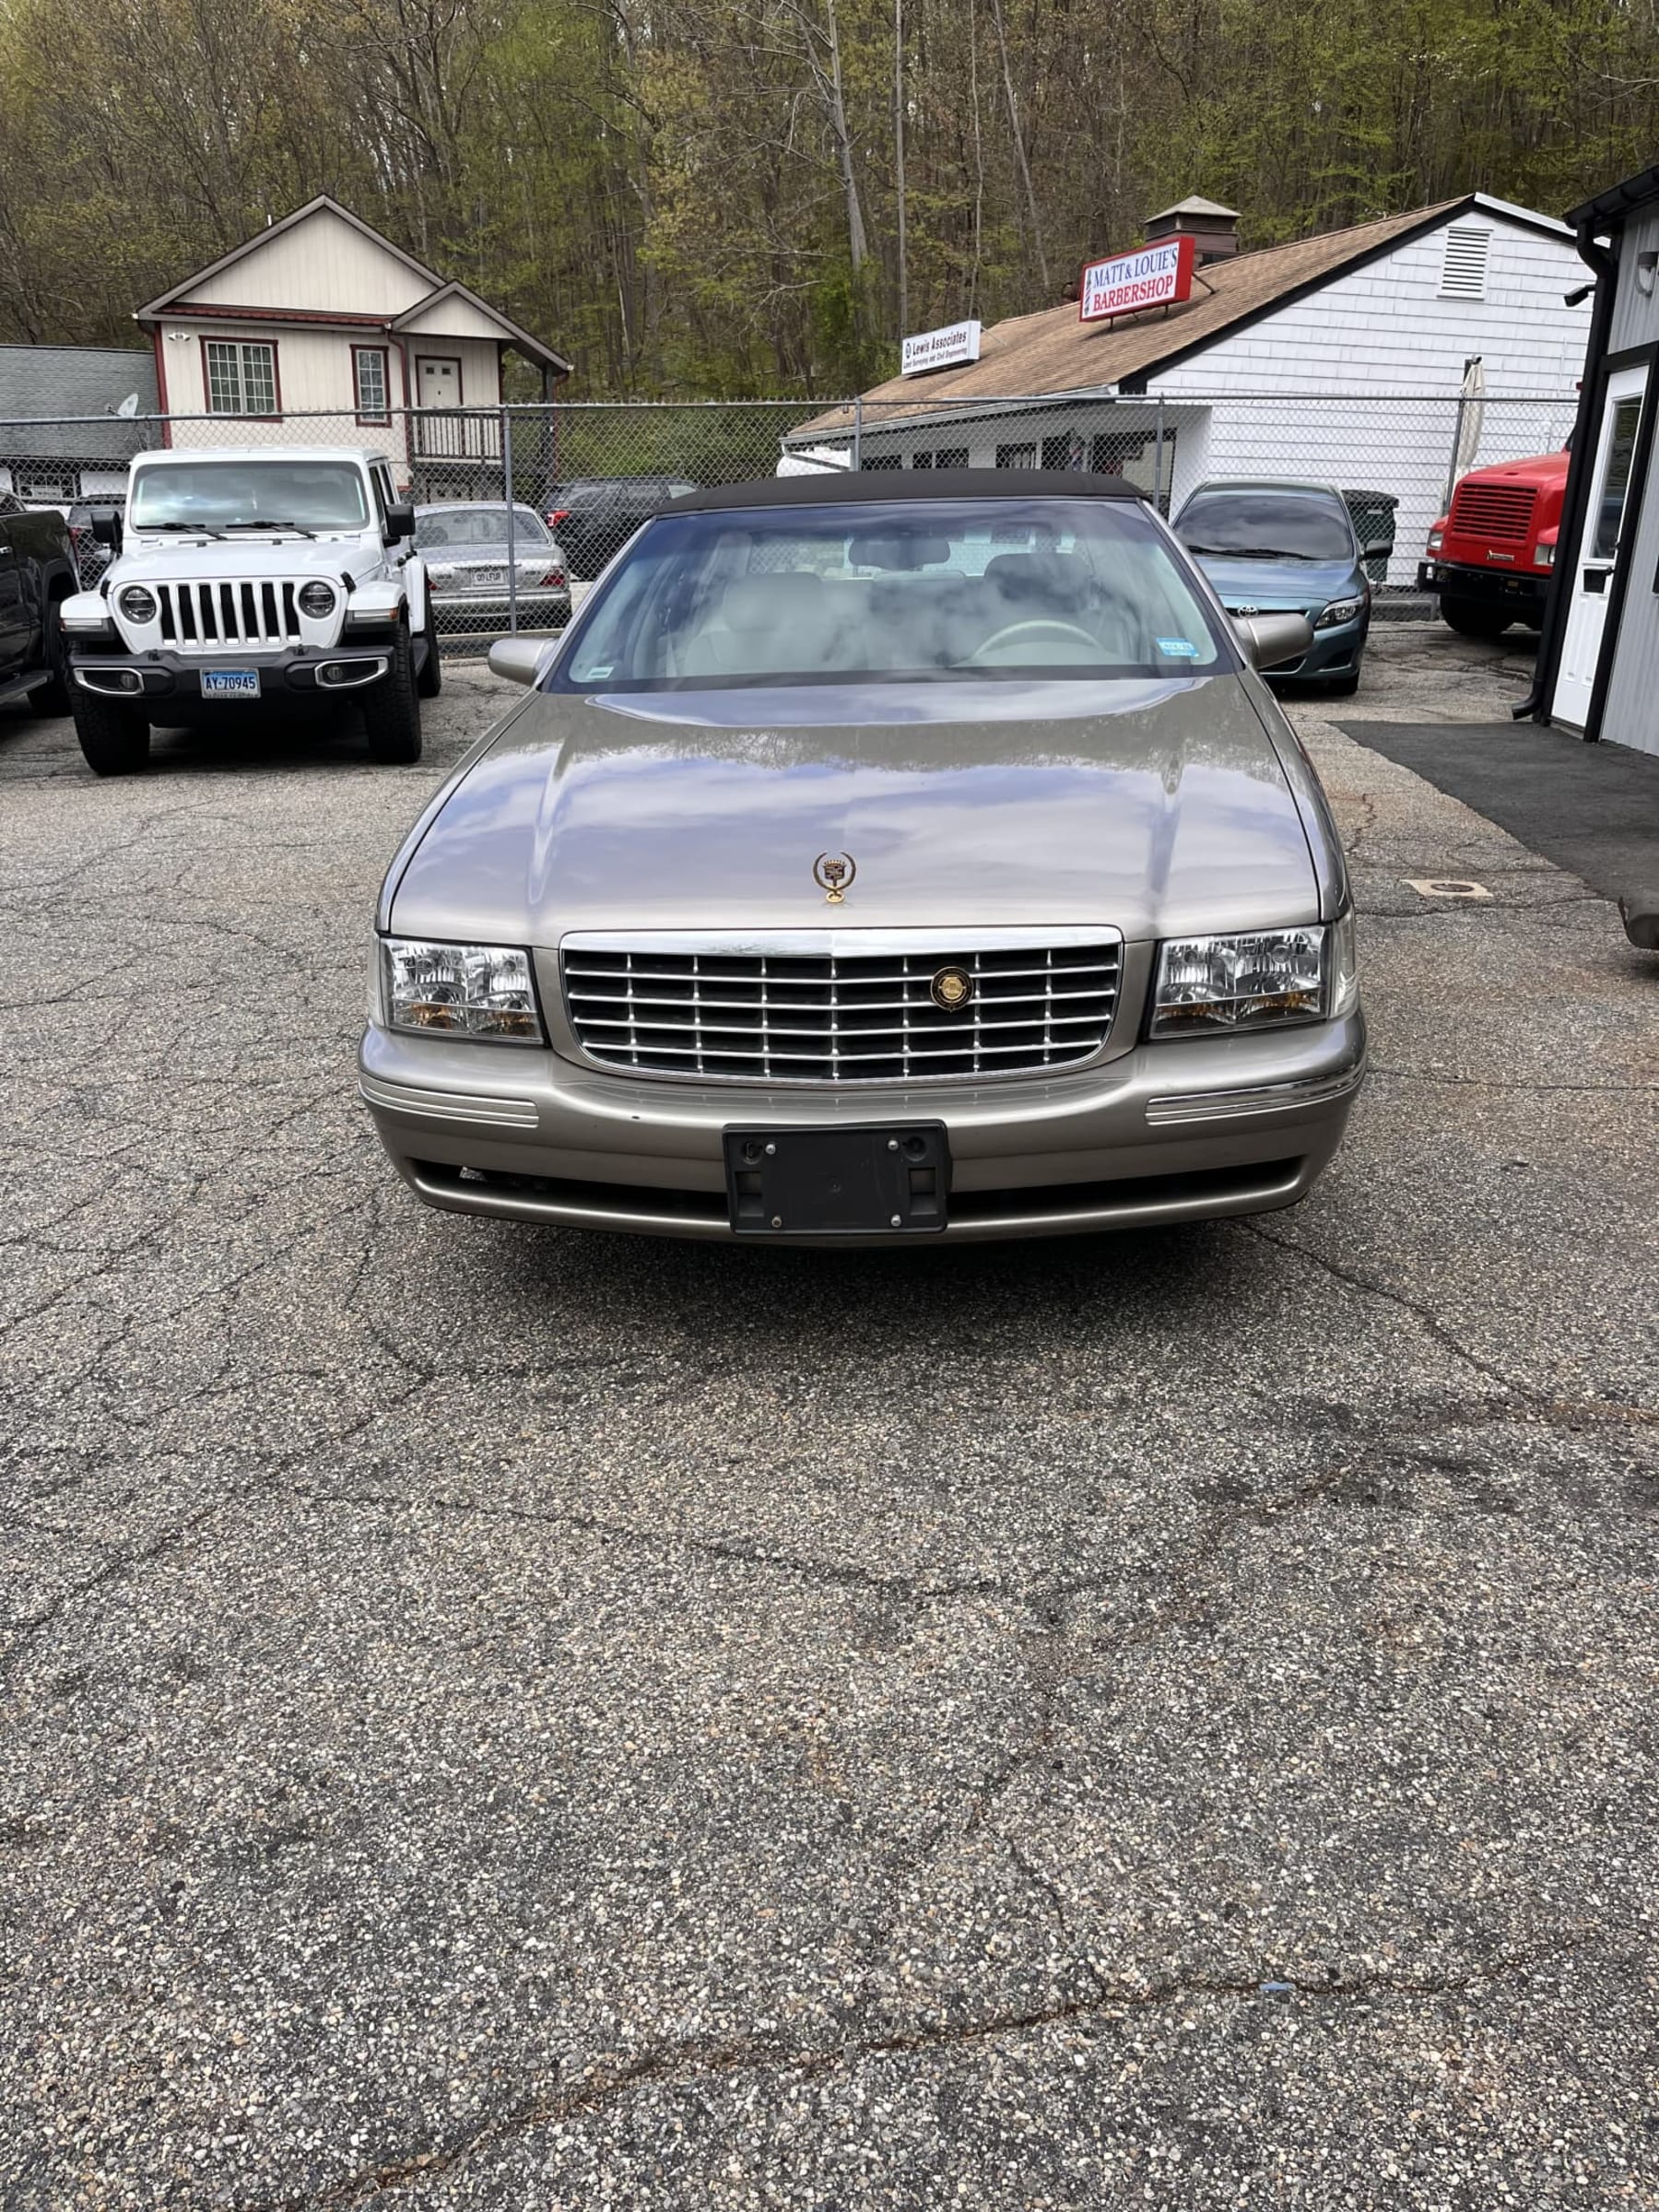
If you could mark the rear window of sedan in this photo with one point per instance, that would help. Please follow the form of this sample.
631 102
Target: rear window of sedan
894 592
477 526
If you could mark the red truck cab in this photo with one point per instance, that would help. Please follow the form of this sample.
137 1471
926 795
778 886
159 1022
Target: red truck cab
1489 557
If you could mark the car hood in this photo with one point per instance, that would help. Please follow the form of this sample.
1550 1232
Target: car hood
1164 808
236 557
1282 586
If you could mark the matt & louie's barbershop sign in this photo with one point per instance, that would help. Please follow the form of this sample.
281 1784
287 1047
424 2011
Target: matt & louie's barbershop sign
1157 275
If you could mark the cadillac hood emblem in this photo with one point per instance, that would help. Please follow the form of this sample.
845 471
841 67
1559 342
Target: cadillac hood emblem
833 874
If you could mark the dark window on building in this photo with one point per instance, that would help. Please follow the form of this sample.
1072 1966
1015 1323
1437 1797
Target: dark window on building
1067 450
1017 456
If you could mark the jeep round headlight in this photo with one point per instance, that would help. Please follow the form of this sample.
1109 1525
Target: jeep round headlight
459 990
137 604
316 600
1250 982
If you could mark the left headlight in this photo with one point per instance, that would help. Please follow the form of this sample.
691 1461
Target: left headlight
316 599
1340 610
1260 981
459 991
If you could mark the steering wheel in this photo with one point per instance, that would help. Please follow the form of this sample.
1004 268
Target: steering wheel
1014 630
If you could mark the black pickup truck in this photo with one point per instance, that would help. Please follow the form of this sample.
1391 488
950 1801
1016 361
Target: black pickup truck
37 571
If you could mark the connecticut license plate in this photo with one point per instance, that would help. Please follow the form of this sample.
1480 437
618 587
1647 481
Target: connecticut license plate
229 683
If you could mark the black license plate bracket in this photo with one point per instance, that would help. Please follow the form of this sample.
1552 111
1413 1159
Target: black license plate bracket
868 1179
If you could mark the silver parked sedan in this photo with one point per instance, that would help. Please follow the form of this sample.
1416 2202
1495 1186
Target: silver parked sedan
469 563
877 857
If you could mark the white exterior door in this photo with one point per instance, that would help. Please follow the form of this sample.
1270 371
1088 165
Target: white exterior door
439 382
1598 551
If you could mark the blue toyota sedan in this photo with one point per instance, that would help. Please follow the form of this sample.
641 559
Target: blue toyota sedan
1287 548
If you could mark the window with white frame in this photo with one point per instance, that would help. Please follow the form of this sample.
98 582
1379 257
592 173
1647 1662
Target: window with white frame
241 376
371 361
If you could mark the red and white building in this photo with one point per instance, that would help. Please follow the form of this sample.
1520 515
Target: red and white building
322 318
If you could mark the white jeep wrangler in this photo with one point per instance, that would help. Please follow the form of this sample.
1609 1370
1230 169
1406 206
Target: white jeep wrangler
243 577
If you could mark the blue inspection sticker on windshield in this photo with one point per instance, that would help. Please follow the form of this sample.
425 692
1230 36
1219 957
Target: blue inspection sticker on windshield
1178 649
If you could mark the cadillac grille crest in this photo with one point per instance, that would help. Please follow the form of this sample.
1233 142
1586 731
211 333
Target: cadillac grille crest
833 874
951 989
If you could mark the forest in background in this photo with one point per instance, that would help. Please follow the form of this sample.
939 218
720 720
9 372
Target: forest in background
738 197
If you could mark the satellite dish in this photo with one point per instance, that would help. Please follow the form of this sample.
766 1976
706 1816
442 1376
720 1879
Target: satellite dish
129 405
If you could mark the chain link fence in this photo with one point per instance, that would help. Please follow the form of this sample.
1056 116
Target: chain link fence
519 508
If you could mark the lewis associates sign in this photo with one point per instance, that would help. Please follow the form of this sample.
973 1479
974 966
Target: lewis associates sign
940 348
1156 276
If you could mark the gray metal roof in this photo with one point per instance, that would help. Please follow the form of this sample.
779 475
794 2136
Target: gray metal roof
1195 206
50 386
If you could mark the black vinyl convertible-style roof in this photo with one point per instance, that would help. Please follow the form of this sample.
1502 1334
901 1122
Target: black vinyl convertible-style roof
846 486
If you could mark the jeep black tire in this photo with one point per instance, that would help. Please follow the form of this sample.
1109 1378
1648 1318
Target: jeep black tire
391 710
115 741
1472 618
429 682
53 697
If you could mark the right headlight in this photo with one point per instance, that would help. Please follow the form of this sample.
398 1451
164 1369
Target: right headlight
1339 611
137 604
1262 979
483 991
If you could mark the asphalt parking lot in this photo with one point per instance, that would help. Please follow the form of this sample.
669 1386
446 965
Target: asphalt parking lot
496 1717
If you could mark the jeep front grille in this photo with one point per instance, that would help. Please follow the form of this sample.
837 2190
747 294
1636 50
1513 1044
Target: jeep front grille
241 611
842 1006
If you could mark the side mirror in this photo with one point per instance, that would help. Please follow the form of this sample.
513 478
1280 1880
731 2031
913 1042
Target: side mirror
1269 641
400 523
106 528
519 660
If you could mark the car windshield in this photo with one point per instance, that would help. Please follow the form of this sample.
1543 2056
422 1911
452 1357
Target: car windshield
225 495
913 590
477 526
1266 525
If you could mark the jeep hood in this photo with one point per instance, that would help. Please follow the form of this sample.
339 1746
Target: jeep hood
1157 807
233 558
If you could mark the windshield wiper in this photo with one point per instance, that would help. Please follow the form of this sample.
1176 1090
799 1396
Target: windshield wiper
1251 553
298 528
196 529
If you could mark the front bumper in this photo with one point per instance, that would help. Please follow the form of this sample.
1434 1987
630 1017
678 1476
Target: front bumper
1335 652
1191 1130
1524 589
139 679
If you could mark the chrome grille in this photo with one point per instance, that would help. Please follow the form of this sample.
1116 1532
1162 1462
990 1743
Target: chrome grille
220 615
840 1005
1503 511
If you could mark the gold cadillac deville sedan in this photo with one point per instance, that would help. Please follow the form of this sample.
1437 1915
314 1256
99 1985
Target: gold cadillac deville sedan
875 857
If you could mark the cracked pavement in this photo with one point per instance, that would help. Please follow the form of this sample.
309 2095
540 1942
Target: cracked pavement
496 1717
